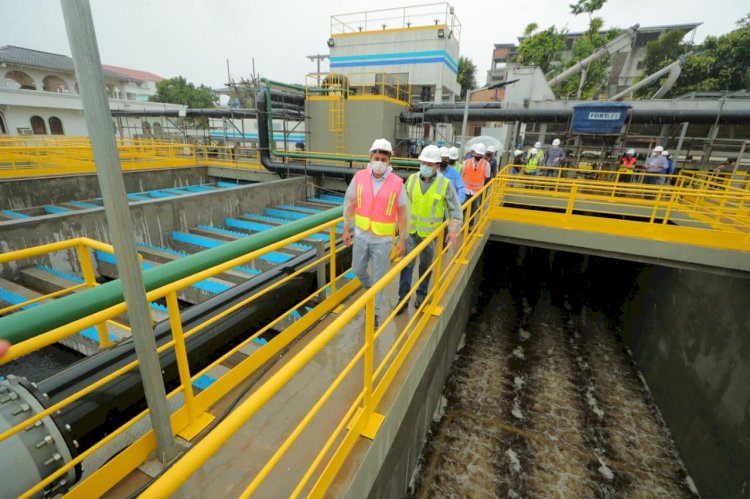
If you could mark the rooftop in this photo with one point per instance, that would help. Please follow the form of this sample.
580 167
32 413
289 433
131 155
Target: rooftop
46 60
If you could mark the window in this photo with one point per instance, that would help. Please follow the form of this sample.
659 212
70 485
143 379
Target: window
55 84
38 126
55 126
3 126
19 80
158 132
146 129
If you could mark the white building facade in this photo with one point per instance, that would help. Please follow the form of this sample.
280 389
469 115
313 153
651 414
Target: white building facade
417 44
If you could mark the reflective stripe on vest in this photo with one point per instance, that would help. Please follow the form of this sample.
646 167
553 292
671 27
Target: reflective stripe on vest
428 209
627 164
532 165
474 174
377 213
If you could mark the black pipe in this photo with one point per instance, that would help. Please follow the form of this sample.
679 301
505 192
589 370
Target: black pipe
97 414
706 116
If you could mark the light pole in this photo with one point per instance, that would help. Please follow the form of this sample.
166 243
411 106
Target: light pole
466 113
318 57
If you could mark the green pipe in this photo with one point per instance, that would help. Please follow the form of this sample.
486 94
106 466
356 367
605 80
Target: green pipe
33 321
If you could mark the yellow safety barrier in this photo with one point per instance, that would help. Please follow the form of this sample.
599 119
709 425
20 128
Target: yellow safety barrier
81 245
688 212
685 212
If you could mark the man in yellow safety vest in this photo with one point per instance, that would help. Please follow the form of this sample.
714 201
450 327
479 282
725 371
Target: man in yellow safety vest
432 197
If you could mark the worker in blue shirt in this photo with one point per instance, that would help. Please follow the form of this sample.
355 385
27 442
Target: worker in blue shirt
448 158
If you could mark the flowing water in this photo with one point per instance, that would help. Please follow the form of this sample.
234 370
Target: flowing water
543 400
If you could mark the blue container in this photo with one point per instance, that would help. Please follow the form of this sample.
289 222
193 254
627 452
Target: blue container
599 117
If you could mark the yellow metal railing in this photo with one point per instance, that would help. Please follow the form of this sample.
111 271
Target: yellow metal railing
687 212
377 377
357 86
26 157
82 247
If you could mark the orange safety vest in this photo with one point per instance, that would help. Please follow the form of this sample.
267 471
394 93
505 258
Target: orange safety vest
627 164
474 174
377 213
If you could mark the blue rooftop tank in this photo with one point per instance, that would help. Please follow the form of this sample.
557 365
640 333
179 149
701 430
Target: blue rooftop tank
599 117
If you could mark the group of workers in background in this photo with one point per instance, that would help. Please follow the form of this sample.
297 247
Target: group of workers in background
658 165
539 162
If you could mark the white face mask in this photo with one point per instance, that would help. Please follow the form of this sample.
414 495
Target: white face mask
378 167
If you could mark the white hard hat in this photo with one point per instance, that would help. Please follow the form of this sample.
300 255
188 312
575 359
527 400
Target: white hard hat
478 148
430 154
453 153
665 153
517 152
492 149
658 149
556 142
533 151
381 145
444 152
538 145
630 152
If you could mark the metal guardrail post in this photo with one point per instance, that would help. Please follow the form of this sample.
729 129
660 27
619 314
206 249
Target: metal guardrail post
320 269
332 251
571 199
87 269
180 351
369 357
79 25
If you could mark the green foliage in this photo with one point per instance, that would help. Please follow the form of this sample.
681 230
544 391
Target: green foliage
744 22
664 51
177 90
588 6
466 71
719 63
542 48
597 72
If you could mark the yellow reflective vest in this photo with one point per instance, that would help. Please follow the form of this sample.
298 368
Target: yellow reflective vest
428 209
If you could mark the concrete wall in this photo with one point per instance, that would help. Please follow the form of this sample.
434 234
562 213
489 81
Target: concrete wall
365 121
153 221
690 336
26 193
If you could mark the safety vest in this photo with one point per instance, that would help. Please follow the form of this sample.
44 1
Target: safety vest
474 174
627 164
532 165
428 209
377 213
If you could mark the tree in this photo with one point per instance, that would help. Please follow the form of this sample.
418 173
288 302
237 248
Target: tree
540 49
466 71
177 90
718 64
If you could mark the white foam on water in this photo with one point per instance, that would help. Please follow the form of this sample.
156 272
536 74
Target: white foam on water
518 382
518 352
515 464
525 335
605 470
691 485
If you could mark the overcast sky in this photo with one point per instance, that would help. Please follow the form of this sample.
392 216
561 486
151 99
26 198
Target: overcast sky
194 38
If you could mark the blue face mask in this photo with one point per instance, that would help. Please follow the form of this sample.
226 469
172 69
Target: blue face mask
426 171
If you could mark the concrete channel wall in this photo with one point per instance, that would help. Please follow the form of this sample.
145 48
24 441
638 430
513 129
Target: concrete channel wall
384 467
153 220
27 193
690 336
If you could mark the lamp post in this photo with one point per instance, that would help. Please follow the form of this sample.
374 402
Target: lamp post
466 113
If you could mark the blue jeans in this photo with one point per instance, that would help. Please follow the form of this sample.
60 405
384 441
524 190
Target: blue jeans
425 260
380 255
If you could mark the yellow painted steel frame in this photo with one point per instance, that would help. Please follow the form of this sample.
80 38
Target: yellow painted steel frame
82 246
21 157
361 414
663 210
194 406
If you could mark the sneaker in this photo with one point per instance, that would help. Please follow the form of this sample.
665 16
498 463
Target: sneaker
377 323
418 303
400 310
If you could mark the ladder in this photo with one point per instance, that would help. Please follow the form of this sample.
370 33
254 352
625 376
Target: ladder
336 112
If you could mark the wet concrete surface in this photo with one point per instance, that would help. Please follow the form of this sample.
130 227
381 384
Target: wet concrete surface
544 400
